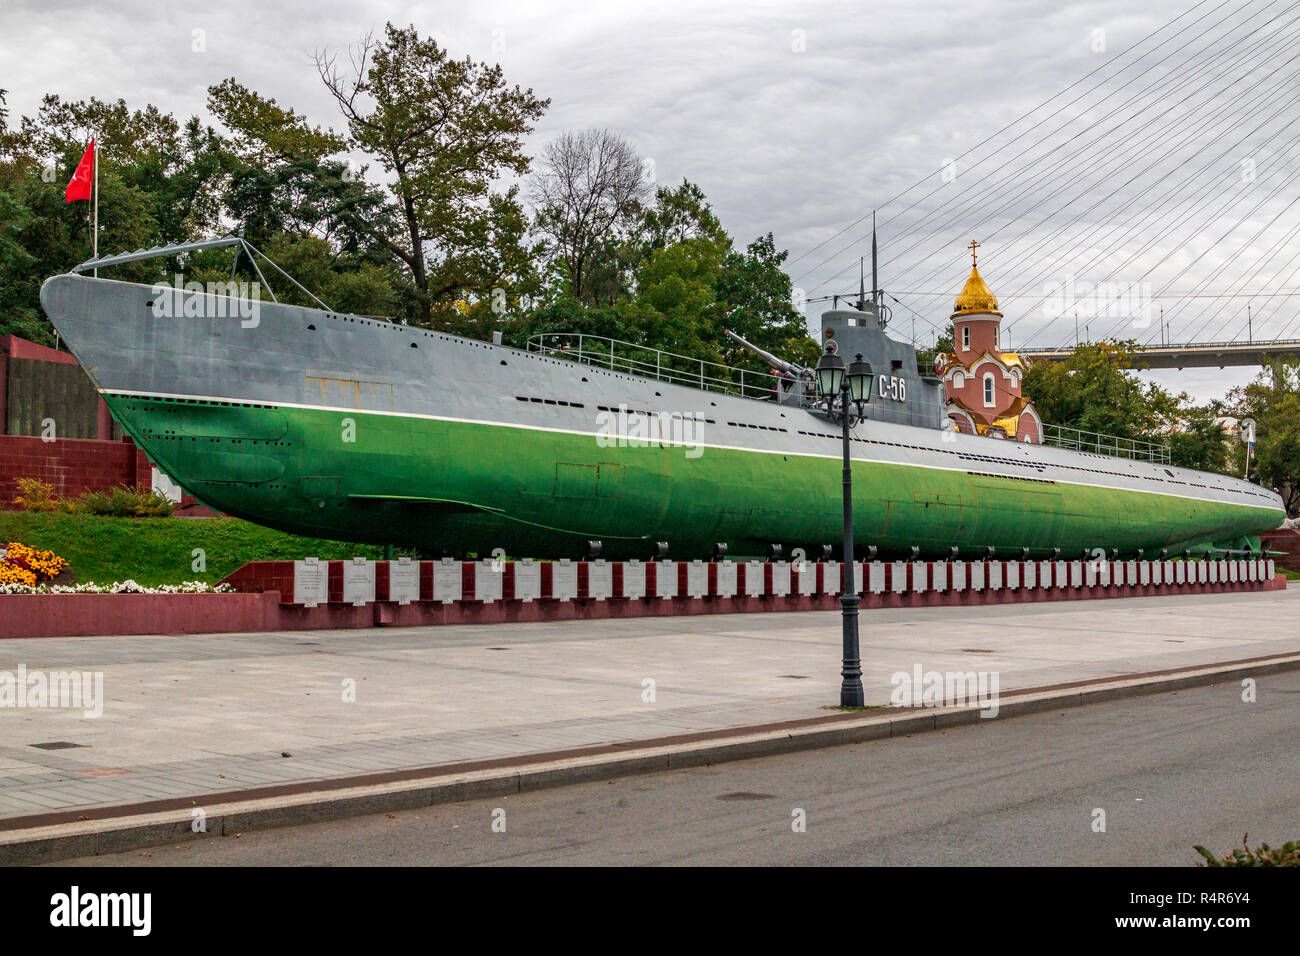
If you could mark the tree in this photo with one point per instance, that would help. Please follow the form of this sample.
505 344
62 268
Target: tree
304 206
156 184
1273 401
588 196
444 130
1092 391
680 213
754 298
1200 442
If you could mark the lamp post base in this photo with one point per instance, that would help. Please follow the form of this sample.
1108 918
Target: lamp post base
851 694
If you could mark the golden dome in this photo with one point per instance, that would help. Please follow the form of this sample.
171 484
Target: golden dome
976 297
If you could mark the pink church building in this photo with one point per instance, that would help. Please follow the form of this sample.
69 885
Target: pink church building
981 381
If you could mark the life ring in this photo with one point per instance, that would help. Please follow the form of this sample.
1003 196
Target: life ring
940 363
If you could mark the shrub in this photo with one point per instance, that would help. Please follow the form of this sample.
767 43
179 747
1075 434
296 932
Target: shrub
125 502
36 495
1288 854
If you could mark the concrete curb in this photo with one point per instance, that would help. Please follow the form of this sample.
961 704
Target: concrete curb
44 844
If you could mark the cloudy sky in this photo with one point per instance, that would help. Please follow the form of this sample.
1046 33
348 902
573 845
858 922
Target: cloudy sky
799 118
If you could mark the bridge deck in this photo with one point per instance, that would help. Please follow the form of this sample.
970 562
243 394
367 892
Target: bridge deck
1190 355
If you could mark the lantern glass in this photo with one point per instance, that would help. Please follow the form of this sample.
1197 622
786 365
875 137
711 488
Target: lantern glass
860 378
830 375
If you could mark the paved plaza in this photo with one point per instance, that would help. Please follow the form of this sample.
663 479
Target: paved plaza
187 716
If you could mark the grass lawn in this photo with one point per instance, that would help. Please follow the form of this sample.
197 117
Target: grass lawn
156 551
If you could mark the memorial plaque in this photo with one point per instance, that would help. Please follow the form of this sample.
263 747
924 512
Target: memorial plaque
940 576
404 581
633 579
666 579
727 578
358 582
528 580
832 573
958 569
781 578
898 577
876 577
448 582
995 576
1092 575
488 578
755 585
807 572
1270 569
1180 572
1029 574
1050 573
600 580
1144 572
564 580
975 575
311 584
1076 574
697 579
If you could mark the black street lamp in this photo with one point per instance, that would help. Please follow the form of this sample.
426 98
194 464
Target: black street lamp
848 386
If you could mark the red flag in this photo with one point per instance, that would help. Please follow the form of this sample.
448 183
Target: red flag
79 185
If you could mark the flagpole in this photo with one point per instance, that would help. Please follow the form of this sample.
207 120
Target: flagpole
94 234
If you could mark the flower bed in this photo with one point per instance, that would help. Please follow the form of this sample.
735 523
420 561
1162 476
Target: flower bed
117 587
24 567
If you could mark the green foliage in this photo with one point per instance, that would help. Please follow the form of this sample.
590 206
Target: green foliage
1092 391
1288 854
1200 443
122 502
754 299
443 131
36 495
680 213
1273 401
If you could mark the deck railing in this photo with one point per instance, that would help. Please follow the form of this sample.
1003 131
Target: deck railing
619 356
1099 444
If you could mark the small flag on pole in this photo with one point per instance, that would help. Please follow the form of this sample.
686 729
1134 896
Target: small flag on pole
79 187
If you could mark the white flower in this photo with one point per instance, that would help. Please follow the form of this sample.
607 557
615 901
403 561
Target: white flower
128 586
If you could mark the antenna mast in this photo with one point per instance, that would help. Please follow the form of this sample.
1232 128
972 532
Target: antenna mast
875 281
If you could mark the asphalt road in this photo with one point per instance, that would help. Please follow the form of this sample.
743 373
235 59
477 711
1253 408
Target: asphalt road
1169 771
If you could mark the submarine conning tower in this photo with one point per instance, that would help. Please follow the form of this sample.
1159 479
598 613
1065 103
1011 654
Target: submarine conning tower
900 393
